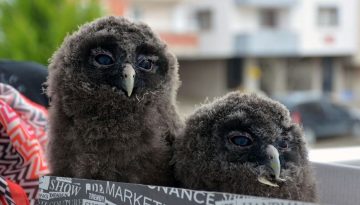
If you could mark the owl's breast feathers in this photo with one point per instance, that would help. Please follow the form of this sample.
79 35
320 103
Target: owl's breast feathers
121 136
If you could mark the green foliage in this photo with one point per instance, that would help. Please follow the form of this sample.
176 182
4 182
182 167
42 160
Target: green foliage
33 29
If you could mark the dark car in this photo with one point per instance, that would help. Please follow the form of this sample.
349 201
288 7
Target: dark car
320 116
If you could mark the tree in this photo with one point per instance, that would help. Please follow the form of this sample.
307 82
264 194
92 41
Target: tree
33 29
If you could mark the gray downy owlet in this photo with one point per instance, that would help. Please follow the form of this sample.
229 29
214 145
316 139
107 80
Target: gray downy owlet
244 144
112 116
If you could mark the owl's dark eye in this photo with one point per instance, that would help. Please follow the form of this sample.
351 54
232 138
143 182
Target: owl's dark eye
283 144
240 139
145 63
104 59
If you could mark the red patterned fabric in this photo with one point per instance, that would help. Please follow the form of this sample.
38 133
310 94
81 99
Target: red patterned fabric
18 194
22 140
5 193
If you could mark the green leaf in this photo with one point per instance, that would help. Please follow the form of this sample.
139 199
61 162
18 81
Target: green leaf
32 30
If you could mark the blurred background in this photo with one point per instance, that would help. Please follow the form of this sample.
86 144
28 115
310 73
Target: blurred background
303 53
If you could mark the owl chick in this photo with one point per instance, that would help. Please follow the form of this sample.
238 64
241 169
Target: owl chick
112 116
244 144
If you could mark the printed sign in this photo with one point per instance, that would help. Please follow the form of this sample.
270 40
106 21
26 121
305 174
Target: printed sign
71 191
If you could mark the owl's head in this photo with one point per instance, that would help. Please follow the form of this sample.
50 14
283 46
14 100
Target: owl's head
112 53
236 139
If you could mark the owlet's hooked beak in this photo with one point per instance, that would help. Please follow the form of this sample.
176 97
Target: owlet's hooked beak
274 164
274 161
128 78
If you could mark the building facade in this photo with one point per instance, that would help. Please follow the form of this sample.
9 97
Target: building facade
272 46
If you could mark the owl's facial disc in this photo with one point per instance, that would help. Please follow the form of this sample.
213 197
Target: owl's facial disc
137 73
243 140
244 145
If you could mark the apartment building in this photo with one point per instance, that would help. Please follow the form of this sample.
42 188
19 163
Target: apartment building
277 46
273 46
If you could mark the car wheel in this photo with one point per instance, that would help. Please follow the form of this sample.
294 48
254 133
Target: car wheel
355 132
310 136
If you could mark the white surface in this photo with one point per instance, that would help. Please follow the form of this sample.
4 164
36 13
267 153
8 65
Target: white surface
337 184
335 155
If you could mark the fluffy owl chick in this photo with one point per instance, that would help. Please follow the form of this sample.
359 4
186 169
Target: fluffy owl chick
245 144
112 86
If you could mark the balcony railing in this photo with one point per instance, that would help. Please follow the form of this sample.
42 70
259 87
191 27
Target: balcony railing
267 43
266 3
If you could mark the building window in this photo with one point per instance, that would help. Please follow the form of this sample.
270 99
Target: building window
269 18
204 19
328 16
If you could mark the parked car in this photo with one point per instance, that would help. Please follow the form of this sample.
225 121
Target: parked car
321 117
